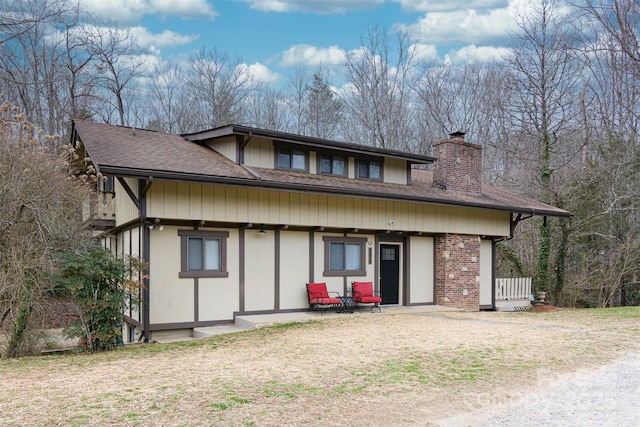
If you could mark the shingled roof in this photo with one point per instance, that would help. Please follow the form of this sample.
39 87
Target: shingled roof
126 151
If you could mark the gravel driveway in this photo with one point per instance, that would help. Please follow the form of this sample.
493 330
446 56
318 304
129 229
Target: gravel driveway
607 396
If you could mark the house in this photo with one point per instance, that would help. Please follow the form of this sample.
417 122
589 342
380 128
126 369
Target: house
235 220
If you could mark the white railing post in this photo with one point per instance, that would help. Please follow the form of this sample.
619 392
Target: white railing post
510 288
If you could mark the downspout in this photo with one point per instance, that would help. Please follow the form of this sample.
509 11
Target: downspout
241 158
146 255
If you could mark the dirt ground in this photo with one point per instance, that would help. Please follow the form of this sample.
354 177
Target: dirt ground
365 369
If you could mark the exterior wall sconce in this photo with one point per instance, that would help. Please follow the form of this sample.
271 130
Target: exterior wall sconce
155 226
261 231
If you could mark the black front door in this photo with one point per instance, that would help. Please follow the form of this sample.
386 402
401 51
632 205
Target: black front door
389 273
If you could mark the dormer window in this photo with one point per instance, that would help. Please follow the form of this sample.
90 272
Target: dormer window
291 159
333 165
369 169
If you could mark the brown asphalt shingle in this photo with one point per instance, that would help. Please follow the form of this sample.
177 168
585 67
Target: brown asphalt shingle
139 149
155 153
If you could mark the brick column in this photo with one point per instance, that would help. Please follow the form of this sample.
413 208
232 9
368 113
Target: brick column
458 271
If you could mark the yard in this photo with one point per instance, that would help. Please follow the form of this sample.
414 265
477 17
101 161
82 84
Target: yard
389 369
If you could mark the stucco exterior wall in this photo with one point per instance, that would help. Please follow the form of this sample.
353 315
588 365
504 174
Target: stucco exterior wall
486 273
421 270
294 269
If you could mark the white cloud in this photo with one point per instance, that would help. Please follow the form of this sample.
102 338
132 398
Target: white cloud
127 11
426 52
261 73
167 38
316 6
465 24
307 55
472 54
450 5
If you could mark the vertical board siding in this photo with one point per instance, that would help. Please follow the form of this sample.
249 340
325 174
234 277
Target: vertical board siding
259 153
229 204
395 171
125 209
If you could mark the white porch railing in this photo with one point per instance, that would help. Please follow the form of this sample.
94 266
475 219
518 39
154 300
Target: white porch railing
511 288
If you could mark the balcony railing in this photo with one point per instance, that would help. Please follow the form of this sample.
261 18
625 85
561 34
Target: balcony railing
512 288
98 211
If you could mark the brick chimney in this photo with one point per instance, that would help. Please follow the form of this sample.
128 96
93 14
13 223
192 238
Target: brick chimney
459 164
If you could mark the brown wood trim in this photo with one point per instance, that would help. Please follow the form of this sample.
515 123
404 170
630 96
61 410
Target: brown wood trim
196 299
311 257
241 268
406 277
188 325
276 283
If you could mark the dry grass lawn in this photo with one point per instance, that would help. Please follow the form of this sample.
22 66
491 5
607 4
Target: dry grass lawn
402 369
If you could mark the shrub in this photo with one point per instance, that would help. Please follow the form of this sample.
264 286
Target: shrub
99 285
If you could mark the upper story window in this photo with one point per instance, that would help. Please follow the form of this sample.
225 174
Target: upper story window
291 159
333 165
369 169
204 253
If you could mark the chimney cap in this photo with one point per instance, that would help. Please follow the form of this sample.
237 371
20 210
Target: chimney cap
458 134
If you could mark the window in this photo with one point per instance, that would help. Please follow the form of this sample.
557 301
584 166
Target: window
334 165
204 253
344 256
368 169
292 159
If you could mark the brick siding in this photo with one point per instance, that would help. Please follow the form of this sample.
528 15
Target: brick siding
459 165
457 268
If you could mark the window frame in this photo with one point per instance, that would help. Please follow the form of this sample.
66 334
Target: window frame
328 240
278 148
320 155
222 236
380 163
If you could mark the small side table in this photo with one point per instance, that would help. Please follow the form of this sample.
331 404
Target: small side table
347 305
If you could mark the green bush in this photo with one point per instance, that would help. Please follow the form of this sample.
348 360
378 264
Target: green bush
101 287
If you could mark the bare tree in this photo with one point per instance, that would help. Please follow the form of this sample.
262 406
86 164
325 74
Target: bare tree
39 218
118 64
169 107
295 96
377 95
544 91
217 88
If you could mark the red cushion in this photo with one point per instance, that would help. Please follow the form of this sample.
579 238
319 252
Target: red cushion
370 299
317 290
326 301
362 290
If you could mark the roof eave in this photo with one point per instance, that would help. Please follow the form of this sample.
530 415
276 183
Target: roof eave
306 141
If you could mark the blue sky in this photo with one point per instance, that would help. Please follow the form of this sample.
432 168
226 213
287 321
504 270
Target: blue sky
276 37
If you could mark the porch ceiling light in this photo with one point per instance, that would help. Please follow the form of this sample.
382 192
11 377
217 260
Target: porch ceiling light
261 231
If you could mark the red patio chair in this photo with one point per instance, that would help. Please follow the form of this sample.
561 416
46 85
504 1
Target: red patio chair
319 296
363 293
